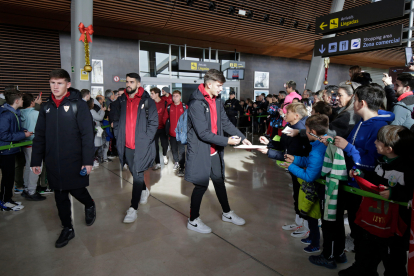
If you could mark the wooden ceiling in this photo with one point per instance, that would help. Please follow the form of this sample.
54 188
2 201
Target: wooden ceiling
173 21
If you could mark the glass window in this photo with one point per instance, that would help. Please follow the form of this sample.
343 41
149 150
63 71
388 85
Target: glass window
154 60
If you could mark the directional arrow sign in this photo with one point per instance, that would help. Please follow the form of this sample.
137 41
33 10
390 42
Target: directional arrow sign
384 10
359 42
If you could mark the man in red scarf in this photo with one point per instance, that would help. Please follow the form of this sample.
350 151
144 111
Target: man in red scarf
207 122
405 100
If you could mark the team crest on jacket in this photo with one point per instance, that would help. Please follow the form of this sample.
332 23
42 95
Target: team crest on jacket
48 110
66 107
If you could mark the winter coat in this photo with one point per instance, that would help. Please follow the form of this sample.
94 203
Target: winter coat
65 141
144 132
292 145
29 119
344 121
108 132
232 107
361 150
98 117
200 138
390 96
11 129
402 111
313 163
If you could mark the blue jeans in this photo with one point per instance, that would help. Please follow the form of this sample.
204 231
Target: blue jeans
314 234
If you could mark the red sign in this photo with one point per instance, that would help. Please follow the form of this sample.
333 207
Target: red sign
116 79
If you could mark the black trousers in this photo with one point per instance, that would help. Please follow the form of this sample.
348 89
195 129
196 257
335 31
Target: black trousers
218 182
333 232
138 183
233 120
372 250
351 204
64 206
7 180
160 135
178 151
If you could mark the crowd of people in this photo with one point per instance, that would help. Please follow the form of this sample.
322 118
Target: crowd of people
355 134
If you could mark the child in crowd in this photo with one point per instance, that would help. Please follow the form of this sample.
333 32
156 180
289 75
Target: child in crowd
11 131
309 170
261 121
361 153
384 238
295 117
29 119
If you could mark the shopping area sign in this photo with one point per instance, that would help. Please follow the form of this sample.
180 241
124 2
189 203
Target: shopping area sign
197 66
359 42
233 64
360 16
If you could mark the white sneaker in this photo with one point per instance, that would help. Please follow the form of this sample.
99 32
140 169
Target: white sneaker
14 207
156 167
300 233
131 215
198 226
176 166
290 227
144 196
165 160
233 218
95 163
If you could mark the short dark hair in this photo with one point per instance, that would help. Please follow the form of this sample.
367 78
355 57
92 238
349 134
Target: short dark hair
269 96
90 103
156 90
176 92
27 100
291 84
12 95
282 92
263 94
135 76
354 69
322 108
400 138
108 93
296 99
406 79
318 123
363 78
121 89
373 95
214 75
11 87
85 92
59 74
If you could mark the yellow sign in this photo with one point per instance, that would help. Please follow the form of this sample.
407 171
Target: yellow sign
84 76
323 25
334 23
193 65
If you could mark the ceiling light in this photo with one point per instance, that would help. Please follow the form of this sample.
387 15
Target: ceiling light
232 10
266 18
295 24
281 21
242 12
212 6
250 14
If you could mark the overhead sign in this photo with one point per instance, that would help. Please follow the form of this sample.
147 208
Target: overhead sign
233 64
356 17
359 42
197 66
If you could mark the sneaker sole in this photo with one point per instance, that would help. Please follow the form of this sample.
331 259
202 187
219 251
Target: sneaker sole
312 251
126 221
301 235
190 227
65 243
290 229
230 220
307 243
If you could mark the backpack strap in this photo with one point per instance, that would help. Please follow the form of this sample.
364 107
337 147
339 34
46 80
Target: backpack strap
146 108
184 106
168 109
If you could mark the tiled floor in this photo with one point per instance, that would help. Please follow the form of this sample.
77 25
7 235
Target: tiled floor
158 243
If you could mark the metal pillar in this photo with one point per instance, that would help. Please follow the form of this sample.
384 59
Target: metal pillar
410 24
316 70
81 12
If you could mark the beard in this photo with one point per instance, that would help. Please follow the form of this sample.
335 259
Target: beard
132 91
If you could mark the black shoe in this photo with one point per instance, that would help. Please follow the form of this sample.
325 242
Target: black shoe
180 172
24 194
341 259
35 197
65 236
90 215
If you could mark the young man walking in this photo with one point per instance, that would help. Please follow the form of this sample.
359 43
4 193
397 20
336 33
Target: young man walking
160 135
64 139
173 113
135 130
207 122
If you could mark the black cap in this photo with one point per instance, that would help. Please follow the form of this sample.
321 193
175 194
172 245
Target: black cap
232 93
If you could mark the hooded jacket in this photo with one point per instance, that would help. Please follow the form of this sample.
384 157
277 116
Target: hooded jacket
402 111
144 132
64 139
200 137
29 119
11 129
98 117
361 150
289 98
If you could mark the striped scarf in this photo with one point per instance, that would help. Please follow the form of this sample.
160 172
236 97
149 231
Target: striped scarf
334 169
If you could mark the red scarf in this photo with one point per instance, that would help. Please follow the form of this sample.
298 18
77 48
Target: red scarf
213 113
58 102
404 95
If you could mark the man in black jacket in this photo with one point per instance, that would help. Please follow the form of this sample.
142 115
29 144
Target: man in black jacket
64 138
232 107
207 121
135 129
